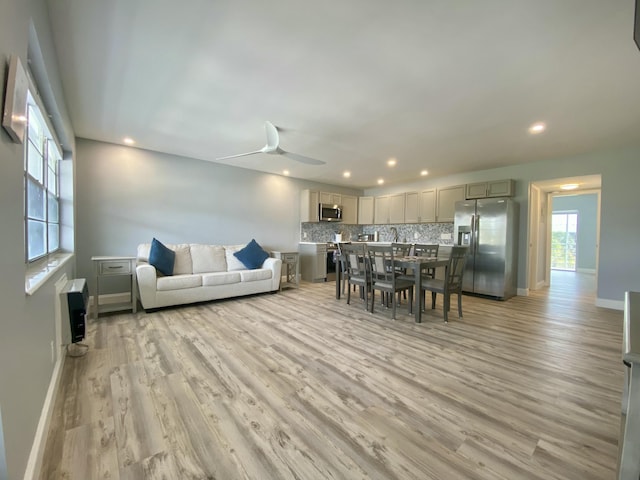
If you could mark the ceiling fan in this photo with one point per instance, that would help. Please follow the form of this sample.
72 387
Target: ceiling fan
273 148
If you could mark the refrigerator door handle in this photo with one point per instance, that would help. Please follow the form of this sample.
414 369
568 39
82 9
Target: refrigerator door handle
476 229
472 234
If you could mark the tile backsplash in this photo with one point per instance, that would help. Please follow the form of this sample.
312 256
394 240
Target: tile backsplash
440 233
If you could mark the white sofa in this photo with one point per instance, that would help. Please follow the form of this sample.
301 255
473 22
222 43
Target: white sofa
201 273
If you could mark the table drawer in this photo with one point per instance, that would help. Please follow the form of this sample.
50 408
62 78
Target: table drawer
290 257
114 267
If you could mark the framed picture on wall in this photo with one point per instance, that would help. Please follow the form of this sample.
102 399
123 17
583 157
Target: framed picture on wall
14 119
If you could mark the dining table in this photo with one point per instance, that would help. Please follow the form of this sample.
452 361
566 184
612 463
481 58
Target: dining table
417 264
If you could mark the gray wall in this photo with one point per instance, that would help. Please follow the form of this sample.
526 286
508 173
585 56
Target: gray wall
587 207
127 196
27 322
619 216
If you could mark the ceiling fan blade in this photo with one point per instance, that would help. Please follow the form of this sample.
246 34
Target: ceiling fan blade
273 138
302 158
240 155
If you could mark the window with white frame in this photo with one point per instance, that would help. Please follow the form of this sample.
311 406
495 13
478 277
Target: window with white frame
41 184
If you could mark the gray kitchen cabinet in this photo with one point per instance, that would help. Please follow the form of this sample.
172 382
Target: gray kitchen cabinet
389 209
381 210
412 207
396 208
349 209
446 205
420 207
331 198
313 261
365 211
496 188
309 200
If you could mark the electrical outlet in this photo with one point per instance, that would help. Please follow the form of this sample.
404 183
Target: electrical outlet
416 235
53 352
304 235
445 236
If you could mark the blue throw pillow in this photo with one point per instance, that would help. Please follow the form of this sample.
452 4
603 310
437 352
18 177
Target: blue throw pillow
162 257
252 256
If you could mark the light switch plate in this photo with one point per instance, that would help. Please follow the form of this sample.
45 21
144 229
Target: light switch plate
445 236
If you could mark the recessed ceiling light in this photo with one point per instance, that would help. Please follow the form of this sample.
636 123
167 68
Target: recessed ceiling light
380 181
128 140
285 172
569 186
536 128
346 174
424 173
392 162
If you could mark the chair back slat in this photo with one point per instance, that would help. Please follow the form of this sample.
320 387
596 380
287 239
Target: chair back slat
381 261
355 260
457 262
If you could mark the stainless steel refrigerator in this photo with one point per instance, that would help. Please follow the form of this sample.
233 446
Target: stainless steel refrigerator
489 227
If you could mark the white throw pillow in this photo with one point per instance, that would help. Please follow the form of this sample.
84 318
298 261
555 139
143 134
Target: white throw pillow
143 252
208 258
233 263
182 263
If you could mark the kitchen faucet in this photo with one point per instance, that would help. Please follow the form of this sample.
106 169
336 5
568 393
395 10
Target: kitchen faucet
394 232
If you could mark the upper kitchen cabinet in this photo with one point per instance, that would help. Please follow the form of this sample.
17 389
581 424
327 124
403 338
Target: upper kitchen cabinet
365 210
331 198
447 198
309 201
381 210
420 207
389 209
349 209
496 188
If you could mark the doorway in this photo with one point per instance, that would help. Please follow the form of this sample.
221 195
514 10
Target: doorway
573 248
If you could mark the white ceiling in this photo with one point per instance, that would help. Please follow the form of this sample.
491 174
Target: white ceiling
447 86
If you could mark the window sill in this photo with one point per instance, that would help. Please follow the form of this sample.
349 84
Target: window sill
39 272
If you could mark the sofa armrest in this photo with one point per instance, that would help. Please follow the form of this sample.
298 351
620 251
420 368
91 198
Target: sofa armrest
147 282
274 264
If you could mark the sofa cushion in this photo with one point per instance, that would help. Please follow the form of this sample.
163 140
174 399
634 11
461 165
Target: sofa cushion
252 256
182 263
208 258
220 278
178 282
233 264
162 257
143 252
254 275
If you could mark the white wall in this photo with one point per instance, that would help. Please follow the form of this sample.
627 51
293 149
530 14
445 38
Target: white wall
127 196
27 322
619 215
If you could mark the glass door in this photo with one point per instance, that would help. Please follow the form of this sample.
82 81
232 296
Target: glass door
564 236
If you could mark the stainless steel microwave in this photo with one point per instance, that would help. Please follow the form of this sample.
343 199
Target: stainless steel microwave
329 213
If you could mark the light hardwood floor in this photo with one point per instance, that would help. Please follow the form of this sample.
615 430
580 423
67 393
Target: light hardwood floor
300 385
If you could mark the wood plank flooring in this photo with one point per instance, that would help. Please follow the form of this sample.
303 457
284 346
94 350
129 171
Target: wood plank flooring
299 385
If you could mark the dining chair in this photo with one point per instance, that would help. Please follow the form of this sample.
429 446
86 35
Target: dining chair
384 277
356 271
452 282
401 250
342 265
427 250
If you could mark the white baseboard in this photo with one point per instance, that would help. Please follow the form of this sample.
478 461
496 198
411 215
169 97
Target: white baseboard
541 284
613 304
522 292
34 464
590 271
